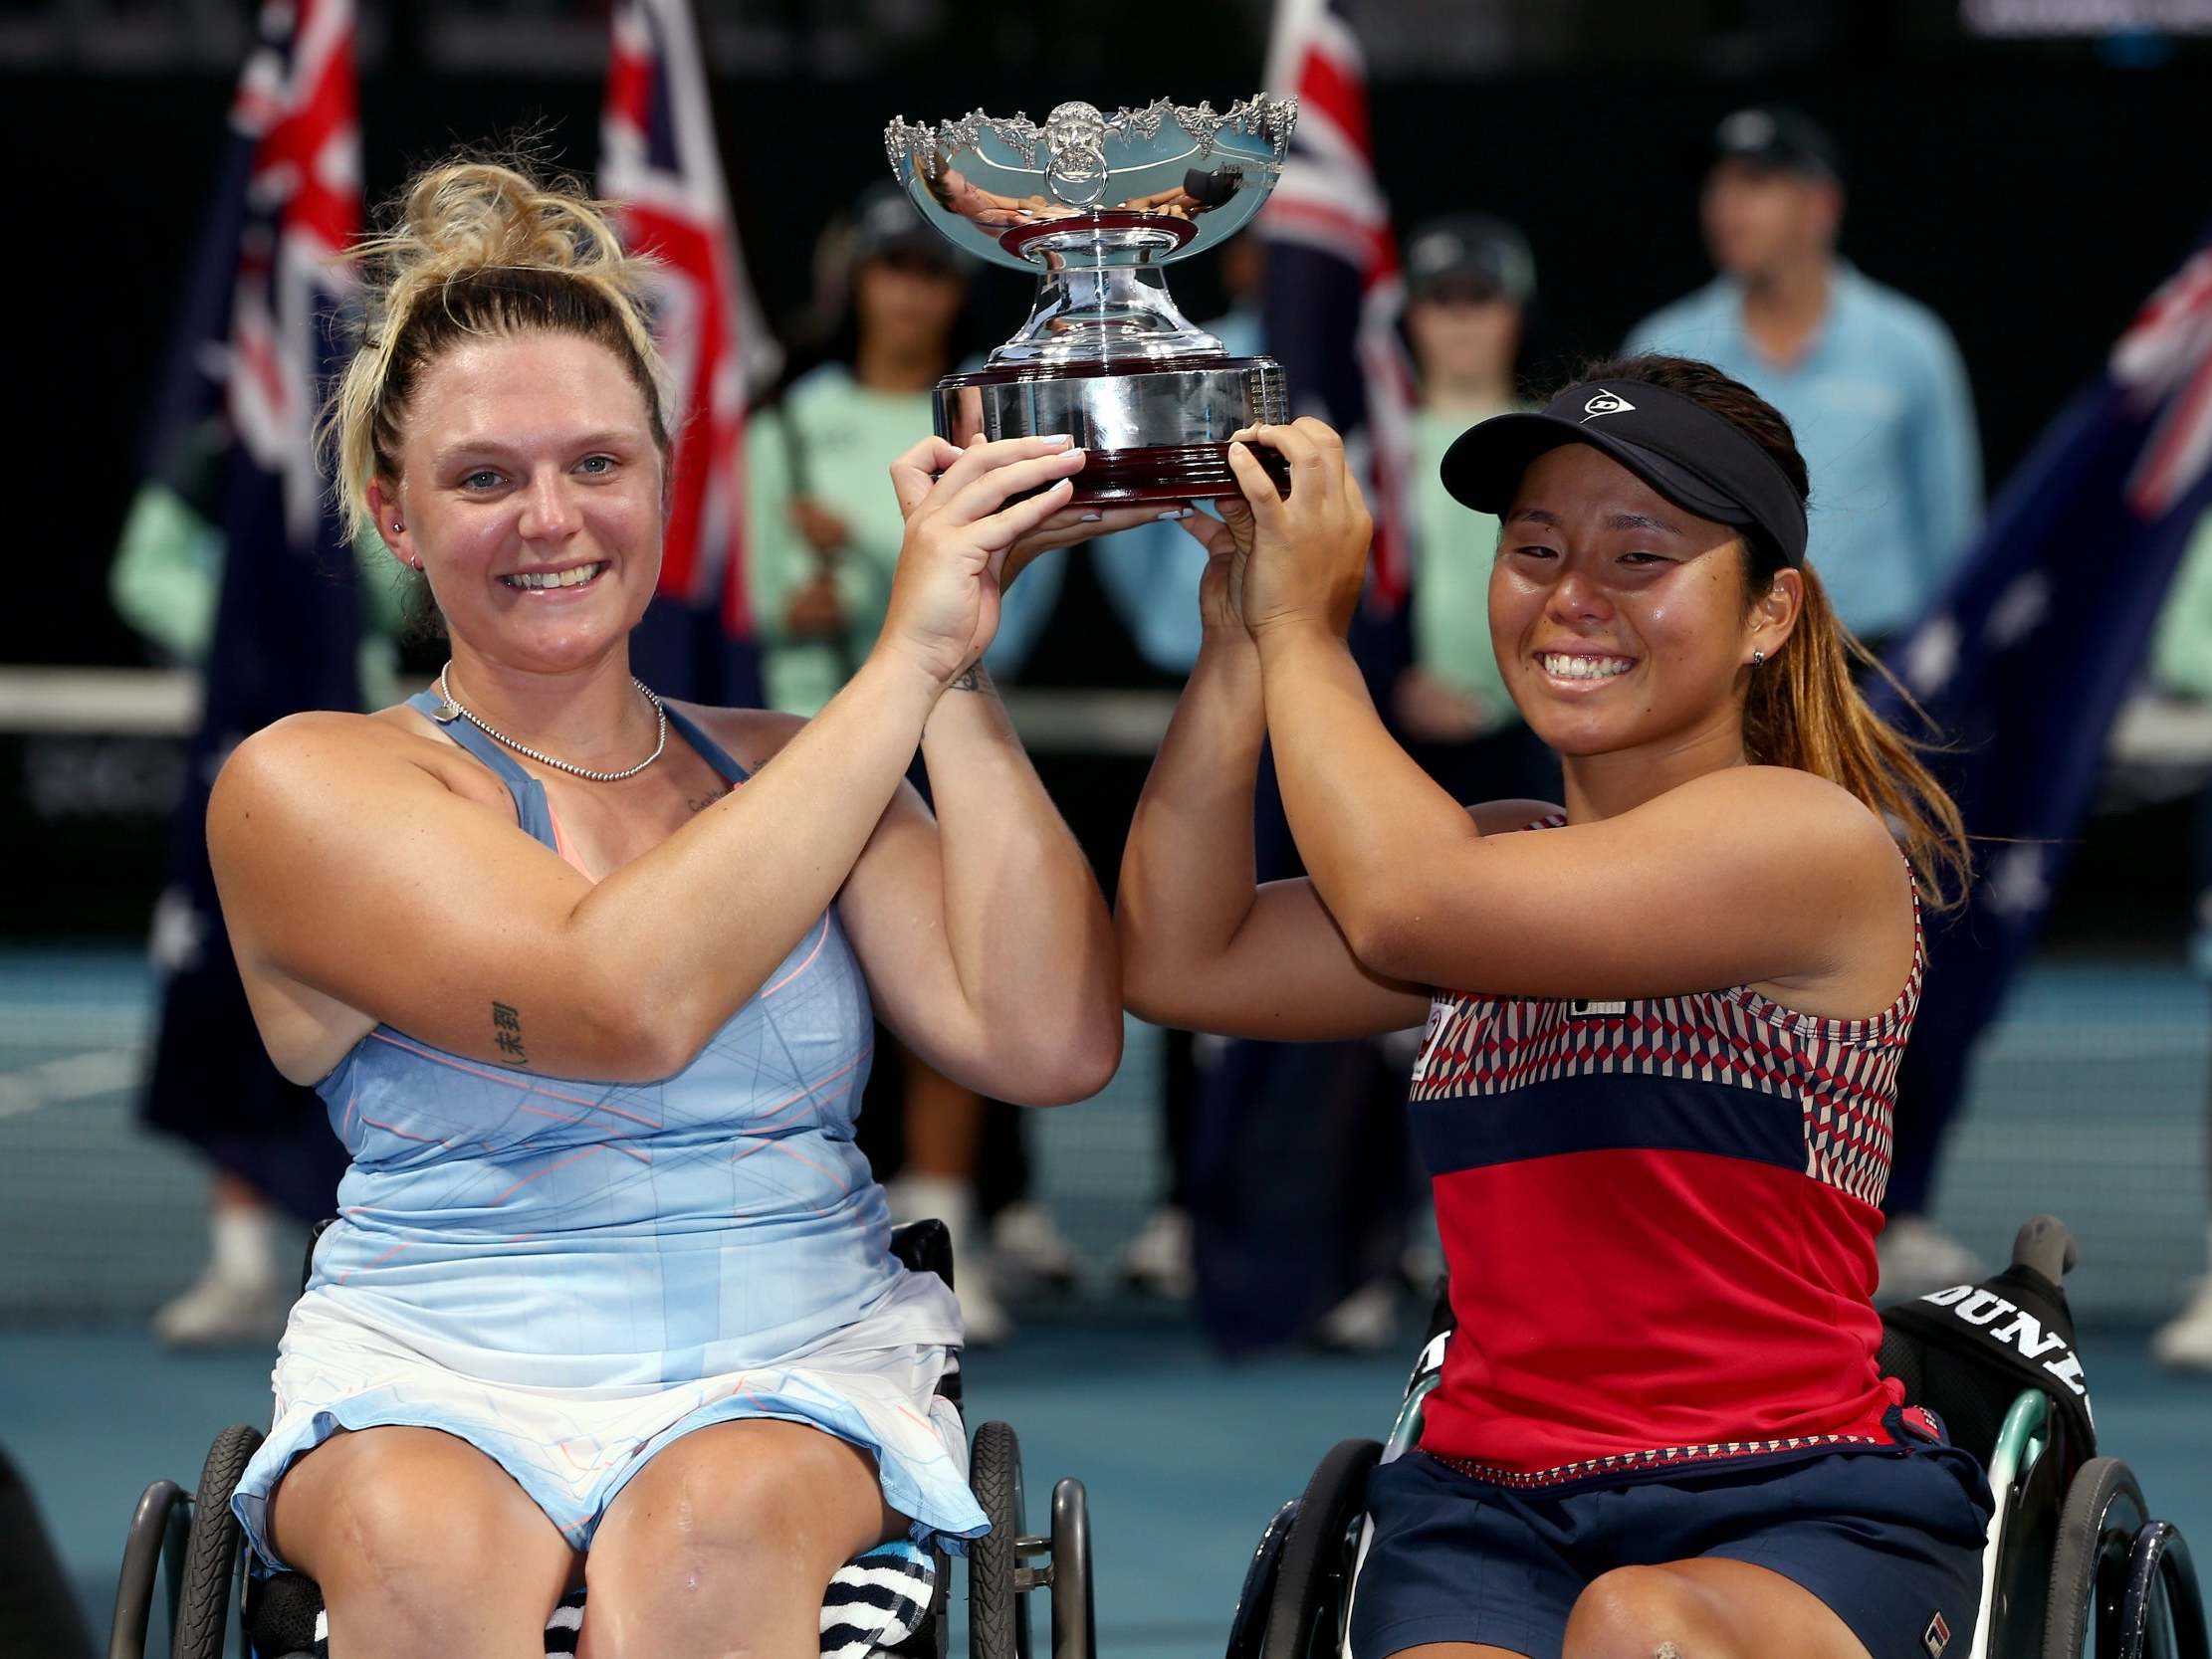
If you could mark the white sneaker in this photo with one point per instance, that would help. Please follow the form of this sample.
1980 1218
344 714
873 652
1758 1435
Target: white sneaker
1366 1322
225 1310
1917 1257
1029 1250
2185 1340
1158 1260
983 1318
1422 1263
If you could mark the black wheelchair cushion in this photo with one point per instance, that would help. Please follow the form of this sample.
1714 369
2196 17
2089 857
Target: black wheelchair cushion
1967 1353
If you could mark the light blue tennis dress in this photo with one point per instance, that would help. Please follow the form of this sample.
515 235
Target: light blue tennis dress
570 1275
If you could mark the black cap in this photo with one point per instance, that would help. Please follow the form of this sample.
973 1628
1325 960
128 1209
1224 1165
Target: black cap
1471 256
1775 139
1697 459
886 222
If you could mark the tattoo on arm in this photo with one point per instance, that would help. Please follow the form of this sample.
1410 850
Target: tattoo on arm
506 1035
974 679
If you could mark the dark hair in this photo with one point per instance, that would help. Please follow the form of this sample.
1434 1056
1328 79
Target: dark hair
1804 710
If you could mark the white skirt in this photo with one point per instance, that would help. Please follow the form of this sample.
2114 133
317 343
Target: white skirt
573 1449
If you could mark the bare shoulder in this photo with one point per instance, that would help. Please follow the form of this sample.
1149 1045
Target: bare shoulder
751 736
1507 816
1790 821
304 744
313 763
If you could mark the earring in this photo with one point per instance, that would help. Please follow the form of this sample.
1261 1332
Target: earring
1757 657
397 525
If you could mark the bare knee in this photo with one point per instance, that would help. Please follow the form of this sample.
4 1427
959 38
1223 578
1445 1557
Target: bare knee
748 1520
424 1538
721 1518
1639 1612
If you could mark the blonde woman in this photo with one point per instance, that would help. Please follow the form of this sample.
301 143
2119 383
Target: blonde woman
585 979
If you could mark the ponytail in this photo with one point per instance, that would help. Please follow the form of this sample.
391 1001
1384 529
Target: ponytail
1804 709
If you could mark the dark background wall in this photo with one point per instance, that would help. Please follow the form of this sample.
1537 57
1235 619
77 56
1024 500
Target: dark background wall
2032 198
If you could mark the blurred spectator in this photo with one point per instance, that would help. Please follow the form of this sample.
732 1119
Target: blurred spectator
1871 380
166 578
2181 663
822 528
1875 392
1469 281
1148 579
822 534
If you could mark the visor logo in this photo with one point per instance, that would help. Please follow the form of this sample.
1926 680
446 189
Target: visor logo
1605 403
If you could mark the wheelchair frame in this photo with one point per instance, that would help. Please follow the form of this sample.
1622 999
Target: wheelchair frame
2058 1566
189 1547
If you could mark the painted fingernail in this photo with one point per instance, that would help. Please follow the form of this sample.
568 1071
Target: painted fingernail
1088 518
1175 512
1059 439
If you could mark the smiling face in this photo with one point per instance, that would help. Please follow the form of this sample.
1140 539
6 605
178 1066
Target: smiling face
530 486
1620 620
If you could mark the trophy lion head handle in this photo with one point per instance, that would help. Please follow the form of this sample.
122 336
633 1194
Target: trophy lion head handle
1075 141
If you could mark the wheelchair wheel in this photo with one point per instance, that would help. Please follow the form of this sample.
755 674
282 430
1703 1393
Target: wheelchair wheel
1249 1624
998 1620
2104 1512
211 1548
1074 1608
1314 1580
2162 1614
156 1540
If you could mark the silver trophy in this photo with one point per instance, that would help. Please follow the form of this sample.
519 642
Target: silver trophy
1096 205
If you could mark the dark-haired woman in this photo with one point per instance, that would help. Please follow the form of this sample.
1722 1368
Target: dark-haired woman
1654 1086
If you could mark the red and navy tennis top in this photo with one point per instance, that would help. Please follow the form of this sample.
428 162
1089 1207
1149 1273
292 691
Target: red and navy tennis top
1660 1217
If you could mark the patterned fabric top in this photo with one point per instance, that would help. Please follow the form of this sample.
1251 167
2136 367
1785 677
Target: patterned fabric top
566 1233
1659 1214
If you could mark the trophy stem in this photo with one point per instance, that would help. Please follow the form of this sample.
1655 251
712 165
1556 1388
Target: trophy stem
1103 314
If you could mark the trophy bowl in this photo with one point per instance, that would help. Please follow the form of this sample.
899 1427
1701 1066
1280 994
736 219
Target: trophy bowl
1097 205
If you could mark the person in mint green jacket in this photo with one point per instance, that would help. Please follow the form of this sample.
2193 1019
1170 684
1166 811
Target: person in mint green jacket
165 581
1469 281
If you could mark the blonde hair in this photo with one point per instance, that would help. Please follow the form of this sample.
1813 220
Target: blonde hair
476 248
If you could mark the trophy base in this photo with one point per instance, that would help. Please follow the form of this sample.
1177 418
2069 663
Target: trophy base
1155 433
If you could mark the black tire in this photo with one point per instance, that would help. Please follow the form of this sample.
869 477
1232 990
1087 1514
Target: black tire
1316 1568
2103 1513
211 1548
998 1619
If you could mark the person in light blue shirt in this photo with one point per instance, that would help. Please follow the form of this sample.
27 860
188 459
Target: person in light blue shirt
1871 380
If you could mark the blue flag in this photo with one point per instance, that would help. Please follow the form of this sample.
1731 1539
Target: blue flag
2027 659
234 442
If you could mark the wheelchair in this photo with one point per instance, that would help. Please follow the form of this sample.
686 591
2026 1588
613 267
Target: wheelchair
2073 1561
190 1549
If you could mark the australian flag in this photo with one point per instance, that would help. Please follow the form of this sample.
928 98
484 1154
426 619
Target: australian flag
1298 1179
2030 654
660 164
1335 288
256 346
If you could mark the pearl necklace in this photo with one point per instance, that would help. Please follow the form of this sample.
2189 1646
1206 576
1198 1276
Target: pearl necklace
449 709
